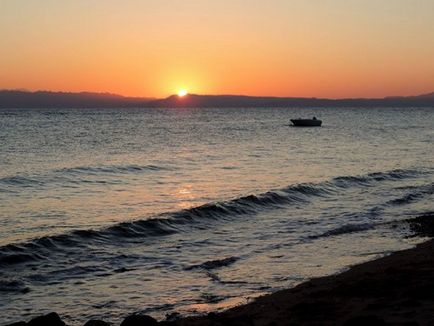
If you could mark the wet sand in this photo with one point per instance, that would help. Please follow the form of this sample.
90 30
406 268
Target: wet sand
397 289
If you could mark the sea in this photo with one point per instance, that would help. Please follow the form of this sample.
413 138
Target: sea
107 212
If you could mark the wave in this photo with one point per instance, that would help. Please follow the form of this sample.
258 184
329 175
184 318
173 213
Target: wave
422 225
20 181
196 217
112 169
397 174
417 194
75 175
164 224
345 229
13 286
213 264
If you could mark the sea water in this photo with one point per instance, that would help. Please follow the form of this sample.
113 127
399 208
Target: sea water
106 212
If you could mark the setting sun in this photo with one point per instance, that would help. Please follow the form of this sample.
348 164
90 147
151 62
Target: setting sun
182 93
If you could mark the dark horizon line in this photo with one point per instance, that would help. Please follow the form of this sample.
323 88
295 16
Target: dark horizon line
151 98
48 99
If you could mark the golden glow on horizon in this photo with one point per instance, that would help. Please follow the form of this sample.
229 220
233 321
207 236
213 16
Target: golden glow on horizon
149 48
182 93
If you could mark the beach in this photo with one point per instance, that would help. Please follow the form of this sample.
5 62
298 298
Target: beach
394 290
397 289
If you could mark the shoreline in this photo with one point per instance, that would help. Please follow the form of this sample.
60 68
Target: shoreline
397 289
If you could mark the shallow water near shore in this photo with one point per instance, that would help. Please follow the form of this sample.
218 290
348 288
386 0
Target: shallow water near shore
108 212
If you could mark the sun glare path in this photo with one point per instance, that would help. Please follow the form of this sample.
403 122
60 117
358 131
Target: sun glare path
182 93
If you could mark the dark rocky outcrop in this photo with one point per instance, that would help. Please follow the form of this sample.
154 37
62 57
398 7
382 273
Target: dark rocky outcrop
51 319
370 320
139 320
423 226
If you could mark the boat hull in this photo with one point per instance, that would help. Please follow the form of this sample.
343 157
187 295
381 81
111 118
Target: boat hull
306 122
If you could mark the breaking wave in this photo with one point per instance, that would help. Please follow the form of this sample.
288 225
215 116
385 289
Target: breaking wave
196 217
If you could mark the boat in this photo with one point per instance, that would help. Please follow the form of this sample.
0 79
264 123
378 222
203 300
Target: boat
314 122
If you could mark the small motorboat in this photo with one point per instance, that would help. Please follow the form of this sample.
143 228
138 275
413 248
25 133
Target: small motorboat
314 122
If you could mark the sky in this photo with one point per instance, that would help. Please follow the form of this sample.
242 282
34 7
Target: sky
313 48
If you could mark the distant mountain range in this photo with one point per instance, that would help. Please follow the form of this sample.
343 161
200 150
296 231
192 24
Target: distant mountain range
44 99
193 100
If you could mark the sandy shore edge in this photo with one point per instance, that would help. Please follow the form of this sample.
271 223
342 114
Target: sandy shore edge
394 290
397 289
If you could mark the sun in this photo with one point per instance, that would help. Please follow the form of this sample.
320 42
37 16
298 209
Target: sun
182 93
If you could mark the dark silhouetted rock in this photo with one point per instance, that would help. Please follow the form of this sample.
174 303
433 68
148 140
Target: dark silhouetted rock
94 322
139 320
212 315
173 316
422 226
20 323
370 320
234 321
52 319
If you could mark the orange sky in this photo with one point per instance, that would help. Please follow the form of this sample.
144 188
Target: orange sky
329 48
